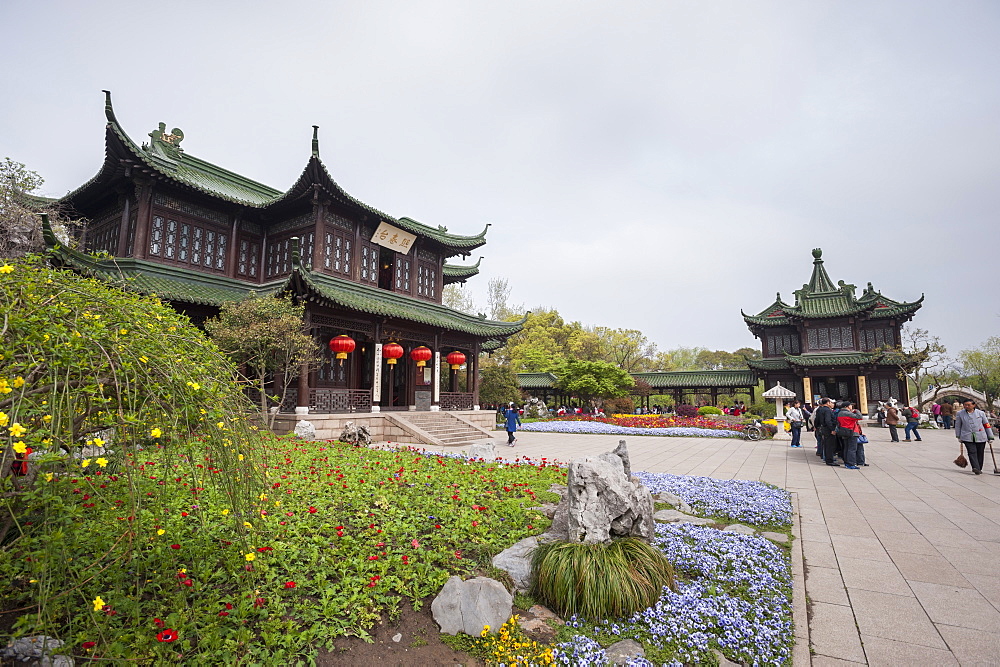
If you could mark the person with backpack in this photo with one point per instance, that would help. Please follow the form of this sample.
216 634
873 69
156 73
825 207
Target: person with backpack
912 424
849 428
892 421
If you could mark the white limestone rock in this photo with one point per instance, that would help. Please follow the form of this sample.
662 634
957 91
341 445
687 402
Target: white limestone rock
483 450
304 429
621 652
516 561
740 528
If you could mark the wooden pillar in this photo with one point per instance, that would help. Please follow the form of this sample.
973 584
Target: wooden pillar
123 226
232 255
318 231
475 376
302 401
143 219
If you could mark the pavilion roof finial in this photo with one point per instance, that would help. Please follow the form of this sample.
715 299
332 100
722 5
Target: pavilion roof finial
109 111
315 142
820 279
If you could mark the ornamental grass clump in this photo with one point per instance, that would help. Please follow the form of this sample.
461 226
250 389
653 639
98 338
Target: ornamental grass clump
599 581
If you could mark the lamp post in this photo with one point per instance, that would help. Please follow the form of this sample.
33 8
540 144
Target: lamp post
780 395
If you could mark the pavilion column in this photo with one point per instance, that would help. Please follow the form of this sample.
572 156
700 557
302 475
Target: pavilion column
863 393
123 226
474 363
143 219
807 389
302 400
377 370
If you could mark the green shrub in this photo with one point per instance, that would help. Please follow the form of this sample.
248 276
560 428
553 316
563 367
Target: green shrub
764 408
600 581
709 410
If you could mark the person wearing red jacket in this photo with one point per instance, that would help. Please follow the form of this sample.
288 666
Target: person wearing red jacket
849 428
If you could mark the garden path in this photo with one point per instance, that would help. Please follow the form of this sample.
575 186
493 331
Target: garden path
902 558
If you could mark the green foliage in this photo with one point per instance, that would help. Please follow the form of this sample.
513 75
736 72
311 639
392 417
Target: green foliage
497 384
763 408
709 410
264 335
982 368
619 406
594 380
599 581
341 537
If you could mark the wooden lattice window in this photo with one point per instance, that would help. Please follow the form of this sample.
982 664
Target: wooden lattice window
426 281
337 252
248 258
183 242
402 275
369 264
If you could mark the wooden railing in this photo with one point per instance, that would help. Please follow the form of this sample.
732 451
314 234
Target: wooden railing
328 401
456 400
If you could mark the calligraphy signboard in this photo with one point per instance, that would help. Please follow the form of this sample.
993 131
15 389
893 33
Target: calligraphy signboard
393 238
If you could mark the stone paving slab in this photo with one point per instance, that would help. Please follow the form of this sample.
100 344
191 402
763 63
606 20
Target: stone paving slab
912 514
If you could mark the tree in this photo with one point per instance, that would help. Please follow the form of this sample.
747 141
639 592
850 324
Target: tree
20 211
458 298
923 359
264 336
629 349
982 369
594 380
685 358
498 301
498 384
718 360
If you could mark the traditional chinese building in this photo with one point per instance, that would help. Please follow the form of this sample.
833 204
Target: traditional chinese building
165 222
831 342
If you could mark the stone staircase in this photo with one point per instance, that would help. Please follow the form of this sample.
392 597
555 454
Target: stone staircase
442 429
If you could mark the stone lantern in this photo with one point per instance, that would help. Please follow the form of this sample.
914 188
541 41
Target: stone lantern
780 395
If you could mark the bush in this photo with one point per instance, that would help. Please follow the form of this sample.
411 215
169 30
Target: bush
619 406
600 581
764 408
709 410
686 411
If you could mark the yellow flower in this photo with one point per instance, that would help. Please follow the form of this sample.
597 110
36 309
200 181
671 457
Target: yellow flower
98 442
84 463
49 476
225 512
18 382
98 603
240 457
4 419
123 331
250 556
248 524
17 430
20 447
194 385
103 462
6 268
220 424
46 419
143 359
160 531
156 432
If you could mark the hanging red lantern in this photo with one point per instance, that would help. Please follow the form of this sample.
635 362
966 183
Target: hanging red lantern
391 352
456 359
421 355
342 345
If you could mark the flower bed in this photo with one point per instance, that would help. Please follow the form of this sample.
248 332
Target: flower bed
743 500
734 595
662 421
604 427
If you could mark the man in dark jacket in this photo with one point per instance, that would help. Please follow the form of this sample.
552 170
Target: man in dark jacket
826 427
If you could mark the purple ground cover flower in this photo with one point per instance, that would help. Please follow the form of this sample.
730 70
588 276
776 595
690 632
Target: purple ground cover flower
612 429
743 500
734 595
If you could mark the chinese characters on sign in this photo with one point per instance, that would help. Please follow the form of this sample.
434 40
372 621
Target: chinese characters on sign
393 238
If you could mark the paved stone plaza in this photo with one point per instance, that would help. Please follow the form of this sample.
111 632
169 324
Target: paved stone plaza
902 558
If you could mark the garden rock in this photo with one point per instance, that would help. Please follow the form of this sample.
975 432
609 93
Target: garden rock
621 652
38 647
398 637
740 528
559 489
776 537
603 502
305 430
540 624
673 516
483 450
516 561
355 435
469 606
723 660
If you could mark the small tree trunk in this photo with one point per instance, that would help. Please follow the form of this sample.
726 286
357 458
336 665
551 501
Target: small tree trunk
265 417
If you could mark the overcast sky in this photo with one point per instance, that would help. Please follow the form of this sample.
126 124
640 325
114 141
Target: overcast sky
648 165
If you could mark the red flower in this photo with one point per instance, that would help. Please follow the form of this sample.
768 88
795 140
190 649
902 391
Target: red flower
312 510
265 549
157 622
89 645
223 613
259 602
373 558
229 605
167 635
175 546
289 584
406 560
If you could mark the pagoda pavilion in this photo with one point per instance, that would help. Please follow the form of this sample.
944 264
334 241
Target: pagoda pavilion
164 222
833 343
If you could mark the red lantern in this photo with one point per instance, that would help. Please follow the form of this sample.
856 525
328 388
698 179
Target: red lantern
391 352
421 355
342 345
456 359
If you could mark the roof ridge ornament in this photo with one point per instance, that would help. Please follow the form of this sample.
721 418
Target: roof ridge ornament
315 141
167 143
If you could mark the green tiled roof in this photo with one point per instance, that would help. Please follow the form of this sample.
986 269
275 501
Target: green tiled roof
166 158
695 379
179 284
841 359
768 364
536 380
820 298
453 273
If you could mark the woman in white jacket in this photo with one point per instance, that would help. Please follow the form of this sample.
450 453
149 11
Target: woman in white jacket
796 420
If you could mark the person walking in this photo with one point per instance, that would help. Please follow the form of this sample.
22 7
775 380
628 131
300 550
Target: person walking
892 421
912 424
972 428
947 414
513 420
826 427
796 420
849 428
